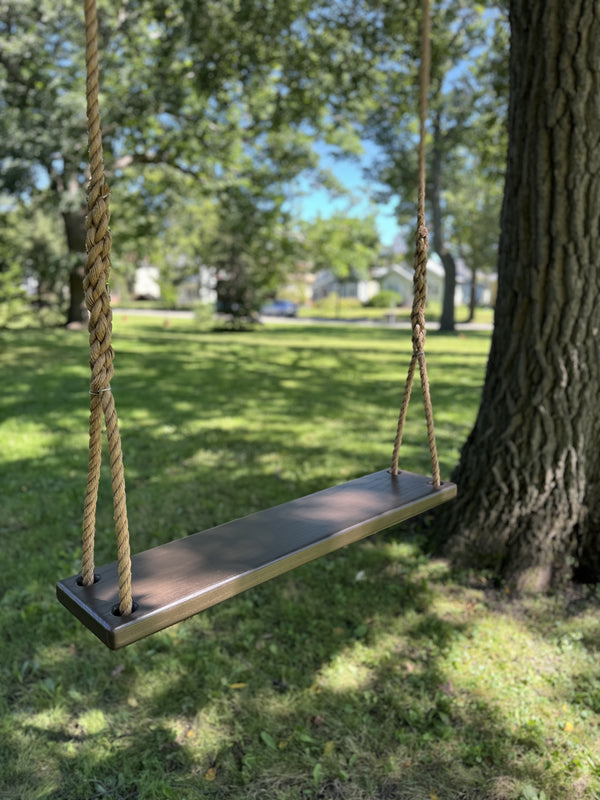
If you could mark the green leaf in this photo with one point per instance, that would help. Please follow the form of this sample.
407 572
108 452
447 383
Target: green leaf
268 740
360 631
529 792
317 774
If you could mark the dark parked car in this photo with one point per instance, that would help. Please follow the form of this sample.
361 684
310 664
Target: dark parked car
279 308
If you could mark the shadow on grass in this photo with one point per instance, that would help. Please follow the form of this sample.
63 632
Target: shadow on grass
330 682
257 690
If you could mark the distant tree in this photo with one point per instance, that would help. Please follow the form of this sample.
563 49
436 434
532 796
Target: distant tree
12 275
347 246
31 254
475 204
463 99
529 476
474 198
251 249
196 88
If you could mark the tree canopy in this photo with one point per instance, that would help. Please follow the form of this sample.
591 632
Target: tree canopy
466 133
347 246
202 101
230 95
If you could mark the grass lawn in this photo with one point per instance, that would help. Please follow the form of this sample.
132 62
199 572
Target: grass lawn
352 309
372 673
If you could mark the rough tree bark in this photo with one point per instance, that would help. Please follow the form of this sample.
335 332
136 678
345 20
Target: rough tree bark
529 474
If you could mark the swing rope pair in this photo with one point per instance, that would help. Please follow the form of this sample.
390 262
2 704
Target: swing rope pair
97 270
97 299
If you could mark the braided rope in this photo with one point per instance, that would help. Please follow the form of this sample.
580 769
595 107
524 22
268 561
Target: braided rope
417 316
102 404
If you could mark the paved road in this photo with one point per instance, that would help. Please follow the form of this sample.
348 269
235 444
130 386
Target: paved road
366 323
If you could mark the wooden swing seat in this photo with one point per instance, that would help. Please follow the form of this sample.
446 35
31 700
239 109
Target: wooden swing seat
176 580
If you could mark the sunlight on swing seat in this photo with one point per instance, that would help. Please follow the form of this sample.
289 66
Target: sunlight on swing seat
176 580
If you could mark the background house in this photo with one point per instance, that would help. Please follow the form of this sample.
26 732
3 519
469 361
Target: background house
304 286
326 283
146 284
399 278
198 288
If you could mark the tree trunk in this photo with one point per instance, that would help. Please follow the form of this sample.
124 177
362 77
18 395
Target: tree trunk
74 222
439 244
473 296
447 319
77 309
529 475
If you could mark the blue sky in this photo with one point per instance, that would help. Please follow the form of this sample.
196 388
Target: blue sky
309 202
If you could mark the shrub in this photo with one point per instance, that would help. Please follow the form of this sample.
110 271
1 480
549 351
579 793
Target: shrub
204 315
12 296
385 299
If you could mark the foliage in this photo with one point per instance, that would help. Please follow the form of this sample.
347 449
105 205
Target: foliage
385 299
347 246
12 296
475 221
229 95
252 249
373 672
12 293
30 254
466 130
474 198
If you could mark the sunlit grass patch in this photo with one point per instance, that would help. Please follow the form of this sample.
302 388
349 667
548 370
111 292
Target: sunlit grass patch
371 673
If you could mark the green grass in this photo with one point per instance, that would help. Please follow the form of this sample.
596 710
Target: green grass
372 673
351 309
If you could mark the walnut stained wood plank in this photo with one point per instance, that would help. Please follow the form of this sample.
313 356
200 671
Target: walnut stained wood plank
176 580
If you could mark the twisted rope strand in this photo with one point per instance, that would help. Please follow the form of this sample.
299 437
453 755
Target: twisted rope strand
420 275
402 416
91 492
119 503
97 270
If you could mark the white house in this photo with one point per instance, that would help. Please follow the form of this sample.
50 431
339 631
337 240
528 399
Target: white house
485 285
198 288
326 283
146 283
399 278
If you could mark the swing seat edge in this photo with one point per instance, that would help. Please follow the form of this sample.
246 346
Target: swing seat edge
178 579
